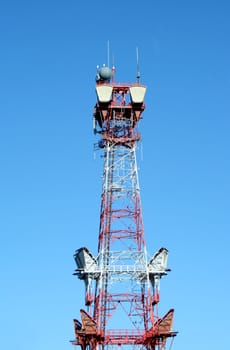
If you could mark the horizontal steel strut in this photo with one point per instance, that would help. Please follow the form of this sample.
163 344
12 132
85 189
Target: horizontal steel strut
121 283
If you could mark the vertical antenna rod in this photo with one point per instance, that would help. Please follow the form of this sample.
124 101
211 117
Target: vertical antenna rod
138 66
108 53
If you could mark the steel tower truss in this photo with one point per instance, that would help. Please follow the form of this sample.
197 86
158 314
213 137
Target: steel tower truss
121 283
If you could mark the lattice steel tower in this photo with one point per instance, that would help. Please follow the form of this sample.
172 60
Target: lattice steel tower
121 283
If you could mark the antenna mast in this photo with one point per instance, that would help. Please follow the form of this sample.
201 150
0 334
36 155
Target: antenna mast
122 285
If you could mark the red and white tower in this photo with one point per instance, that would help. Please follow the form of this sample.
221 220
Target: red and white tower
121 282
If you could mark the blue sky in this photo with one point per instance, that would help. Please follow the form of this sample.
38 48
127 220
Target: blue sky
50 178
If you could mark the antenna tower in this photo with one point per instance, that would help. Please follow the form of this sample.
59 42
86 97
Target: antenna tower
121 282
